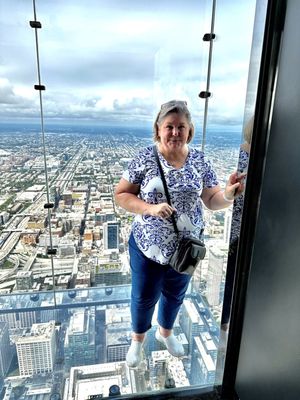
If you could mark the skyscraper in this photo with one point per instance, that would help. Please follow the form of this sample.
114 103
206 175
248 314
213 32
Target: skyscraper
118 329
80 335
164 366
203 366
111 273
191 322
23 319
214 275
36 349
111 235
94 381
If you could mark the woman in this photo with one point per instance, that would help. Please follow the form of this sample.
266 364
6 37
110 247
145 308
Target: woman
236 226
191 181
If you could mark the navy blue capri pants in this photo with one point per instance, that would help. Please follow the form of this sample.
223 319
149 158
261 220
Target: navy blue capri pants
150 282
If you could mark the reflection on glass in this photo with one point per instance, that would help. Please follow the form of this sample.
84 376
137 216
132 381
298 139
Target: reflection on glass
244 154
242 167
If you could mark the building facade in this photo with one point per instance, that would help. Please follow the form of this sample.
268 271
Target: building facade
36 349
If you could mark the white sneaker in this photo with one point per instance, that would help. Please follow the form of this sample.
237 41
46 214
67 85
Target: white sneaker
134 354
173 346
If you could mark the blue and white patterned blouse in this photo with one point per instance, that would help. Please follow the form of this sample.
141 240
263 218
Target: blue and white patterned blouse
155 236
238 204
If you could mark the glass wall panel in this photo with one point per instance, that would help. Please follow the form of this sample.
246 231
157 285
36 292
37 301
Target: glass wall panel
106 72
107 67
239 95
230 68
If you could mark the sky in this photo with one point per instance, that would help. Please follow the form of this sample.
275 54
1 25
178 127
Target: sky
116 61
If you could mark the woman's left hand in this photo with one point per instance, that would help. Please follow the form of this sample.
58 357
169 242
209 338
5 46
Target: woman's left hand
235 185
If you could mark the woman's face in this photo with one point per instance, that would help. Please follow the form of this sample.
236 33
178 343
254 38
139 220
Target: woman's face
173 132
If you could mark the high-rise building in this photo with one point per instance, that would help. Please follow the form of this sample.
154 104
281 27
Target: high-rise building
83 279
202 366
23 319
11 320
44 240
6 350
118 342
139 378
111 273
163 366
158 368
118 329
80 335
214 275
36 349
111 235
3 217
191 322
95 381
66 248
24 280
67 198
46 313
209 345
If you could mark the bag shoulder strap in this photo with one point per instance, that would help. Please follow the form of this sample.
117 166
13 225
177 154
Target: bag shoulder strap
162 175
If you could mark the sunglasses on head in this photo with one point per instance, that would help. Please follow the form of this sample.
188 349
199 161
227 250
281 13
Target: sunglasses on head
174 103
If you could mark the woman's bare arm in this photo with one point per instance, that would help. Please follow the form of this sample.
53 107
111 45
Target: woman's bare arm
215 198
126 196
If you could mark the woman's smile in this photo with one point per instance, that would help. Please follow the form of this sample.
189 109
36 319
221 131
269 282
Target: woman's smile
174 131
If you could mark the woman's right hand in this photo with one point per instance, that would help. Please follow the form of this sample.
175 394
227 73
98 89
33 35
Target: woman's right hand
162 210
126 196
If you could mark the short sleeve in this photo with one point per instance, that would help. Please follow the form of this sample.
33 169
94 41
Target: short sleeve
135 171
209 177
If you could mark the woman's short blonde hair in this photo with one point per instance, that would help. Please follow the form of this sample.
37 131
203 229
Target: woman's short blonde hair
173 106
248 130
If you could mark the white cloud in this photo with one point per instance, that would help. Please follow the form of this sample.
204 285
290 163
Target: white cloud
118 60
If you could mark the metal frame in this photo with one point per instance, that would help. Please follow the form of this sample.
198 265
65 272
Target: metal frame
271 47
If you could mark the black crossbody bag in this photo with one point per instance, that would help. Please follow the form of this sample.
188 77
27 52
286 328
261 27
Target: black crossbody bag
189 251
